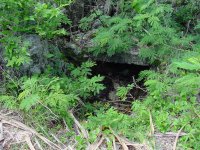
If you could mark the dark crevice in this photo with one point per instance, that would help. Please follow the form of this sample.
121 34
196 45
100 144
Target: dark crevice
118 75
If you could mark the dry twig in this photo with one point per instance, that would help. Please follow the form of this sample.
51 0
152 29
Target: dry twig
28 141
83 131
57 140
114 144
169 134
177 136
1 131
22 126
96 145
121 141
151 123
38 144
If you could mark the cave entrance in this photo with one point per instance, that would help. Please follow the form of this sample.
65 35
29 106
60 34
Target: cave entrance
116 75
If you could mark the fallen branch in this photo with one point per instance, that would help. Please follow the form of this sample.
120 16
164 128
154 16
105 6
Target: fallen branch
151 123
28 141
96 145
22 126
1 131
38 144
124 146
114 144
128 143
137 86
169 134
57 140
83 131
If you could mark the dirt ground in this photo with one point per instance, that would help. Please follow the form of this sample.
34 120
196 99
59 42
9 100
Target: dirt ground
14 135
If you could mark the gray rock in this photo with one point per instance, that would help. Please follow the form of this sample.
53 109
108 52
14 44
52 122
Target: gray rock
129 57
43 53
38 50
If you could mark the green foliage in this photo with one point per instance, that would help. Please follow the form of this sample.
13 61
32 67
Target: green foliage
161 36
151 27
110 123
48 19
114 38
16 51
113 35
56 94
107 122
190 9
173 95
27 17
8 101
167 36
122 92
86 22
63 3
81 143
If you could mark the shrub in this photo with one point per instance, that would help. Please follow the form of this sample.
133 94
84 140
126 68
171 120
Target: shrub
57 95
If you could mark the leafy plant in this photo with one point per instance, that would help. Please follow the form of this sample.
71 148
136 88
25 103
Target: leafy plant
114 38
173 95
166 33
55 94
107 120
168 39
27 17
122 92
48 19
16 51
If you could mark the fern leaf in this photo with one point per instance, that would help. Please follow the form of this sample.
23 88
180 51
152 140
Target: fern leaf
28 102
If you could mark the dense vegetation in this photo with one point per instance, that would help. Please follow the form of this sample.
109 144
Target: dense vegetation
167 35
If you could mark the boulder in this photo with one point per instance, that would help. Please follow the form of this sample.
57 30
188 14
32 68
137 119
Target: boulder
83 42
129 57
43 53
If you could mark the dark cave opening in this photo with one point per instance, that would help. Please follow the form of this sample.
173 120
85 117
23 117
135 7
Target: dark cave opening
116 75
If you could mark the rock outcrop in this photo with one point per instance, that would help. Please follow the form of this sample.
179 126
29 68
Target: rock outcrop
83 42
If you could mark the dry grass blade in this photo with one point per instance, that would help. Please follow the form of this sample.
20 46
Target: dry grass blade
124 146
38 144
151 123
135 145
114 144
129 143
169 134
49 110
83 131
121 141
177 136
28 141
69 147
57 140
1 131
66 126
22 126
96 145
